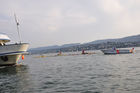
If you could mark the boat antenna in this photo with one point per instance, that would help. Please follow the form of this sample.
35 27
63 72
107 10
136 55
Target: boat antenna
17 23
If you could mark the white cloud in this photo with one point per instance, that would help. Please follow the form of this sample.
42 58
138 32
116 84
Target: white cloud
55 12
52 28
88 20
80 18
61 20
112 6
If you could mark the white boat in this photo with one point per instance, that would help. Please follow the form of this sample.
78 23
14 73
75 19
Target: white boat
10 53
117 51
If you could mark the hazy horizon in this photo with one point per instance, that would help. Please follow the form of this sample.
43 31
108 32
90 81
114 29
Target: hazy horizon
58 22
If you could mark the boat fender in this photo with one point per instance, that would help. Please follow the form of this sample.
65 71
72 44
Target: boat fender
4 58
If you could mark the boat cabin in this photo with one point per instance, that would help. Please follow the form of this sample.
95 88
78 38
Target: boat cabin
4 39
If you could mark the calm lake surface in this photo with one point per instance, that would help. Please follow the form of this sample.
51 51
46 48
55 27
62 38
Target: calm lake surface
96 73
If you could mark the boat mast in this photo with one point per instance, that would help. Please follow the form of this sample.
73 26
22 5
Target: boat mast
17 23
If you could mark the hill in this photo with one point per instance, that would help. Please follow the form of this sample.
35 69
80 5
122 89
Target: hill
135 38
130 41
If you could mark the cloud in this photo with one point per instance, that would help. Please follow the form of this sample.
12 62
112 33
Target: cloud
52 28
121 16
80 18
69 21
112 7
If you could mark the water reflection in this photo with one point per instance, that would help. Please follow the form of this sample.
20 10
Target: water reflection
14 79
13 69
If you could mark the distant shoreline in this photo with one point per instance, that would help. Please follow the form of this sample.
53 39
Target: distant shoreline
87 47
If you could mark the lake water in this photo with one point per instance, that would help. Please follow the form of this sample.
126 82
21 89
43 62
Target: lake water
96 73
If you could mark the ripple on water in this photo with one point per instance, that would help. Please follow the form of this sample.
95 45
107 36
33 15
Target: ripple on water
74 74
92 91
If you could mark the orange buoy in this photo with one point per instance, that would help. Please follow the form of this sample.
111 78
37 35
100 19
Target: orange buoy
22 57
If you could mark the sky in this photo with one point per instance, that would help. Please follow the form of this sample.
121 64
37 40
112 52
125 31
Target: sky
58 22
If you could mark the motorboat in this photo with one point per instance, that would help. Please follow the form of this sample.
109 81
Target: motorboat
11 53
117 51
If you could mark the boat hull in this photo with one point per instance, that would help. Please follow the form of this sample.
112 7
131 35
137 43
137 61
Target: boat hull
10 54
122 51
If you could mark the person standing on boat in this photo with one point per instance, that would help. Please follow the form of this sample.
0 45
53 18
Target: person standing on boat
114 48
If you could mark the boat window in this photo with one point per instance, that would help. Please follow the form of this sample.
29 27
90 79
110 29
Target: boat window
1 44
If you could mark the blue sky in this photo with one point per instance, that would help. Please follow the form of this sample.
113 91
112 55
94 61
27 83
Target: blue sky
57 22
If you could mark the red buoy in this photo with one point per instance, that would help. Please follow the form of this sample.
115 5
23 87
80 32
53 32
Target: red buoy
117 51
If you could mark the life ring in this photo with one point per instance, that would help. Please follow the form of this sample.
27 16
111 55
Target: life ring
4 58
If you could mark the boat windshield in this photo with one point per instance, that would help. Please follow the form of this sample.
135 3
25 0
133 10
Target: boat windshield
4 39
